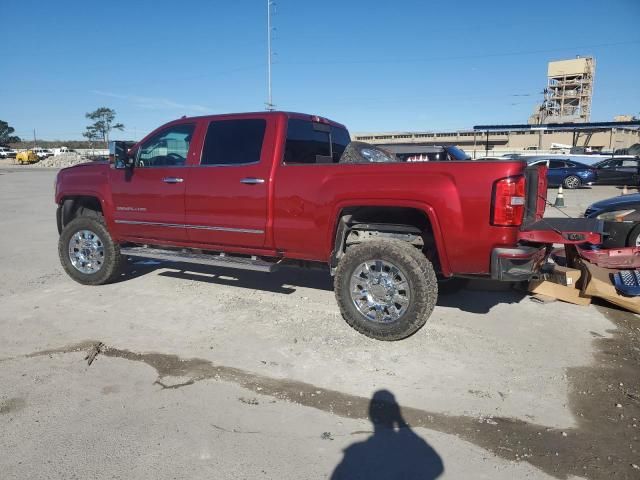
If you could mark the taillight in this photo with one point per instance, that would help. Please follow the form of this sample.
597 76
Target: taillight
508 202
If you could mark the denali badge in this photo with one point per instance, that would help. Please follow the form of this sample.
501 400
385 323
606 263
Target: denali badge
131 209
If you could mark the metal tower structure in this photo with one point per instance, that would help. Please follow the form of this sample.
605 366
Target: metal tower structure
567 97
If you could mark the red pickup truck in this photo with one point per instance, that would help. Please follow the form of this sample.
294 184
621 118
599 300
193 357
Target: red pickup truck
258 190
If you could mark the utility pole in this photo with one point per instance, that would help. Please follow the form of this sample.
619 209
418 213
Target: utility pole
269 104
34 138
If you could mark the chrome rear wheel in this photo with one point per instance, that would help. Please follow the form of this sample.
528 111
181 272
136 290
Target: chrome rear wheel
379 291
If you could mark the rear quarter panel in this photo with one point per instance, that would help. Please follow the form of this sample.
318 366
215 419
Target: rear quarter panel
456 197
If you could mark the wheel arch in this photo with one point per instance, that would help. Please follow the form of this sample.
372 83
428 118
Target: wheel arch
391 219
70 205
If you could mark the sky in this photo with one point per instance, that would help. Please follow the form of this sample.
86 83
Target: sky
375 66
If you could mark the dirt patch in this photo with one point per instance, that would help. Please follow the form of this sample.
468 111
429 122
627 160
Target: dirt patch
604 397
11 405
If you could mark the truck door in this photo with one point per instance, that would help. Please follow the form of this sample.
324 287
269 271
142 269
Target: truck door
226 197
149 199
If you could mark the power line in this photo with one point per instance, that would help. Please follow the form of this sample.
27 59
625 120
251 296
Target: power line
458 57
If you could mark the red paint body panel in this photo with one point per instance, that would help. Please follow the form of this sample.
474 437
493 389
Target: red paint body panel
298 206
628 257
456 196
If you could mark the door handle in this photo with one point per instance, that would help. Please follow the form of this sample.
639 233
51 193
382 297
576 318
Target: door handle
252 181
172 180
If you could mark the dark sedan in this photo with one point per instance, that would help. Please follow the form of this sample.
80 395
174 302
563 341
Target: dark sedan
618 171
622 219
568 173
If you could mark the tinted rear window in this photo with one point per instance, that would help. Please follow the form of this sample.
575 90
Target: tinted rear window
310 143
556 164
233 142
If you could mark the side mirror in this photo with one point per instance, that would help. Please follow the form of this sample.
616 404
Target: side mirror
120 154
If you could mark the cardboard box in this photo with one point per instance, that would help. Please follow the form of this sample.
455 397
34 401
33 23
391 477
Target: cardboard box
598 284
561 292
566 276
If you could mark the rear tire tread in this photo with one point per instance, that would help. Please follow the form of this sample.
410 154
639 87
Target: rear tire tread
421 276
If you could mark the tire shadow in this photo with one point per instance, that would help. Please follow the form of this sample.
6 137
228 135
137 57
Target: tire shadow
477 296
284 280
473 296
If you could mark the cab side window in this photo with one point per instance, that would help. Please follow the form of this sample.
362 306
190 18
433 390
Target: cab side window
311 143
233 142
168 148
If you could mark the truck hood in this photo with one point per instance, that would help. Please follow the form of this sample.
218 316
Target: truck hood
100 165
83 179
615 203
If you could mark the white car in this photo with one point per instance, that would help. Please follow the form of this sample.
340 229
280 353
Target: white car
6 152
42 152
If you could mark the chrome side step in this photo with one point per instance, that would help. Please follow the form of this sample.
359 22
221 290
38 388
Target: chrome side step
187 256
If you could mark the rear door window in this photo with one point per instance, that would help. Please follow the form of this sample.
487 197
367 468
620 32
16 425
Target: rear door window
310 142
556 164
233 142
629 163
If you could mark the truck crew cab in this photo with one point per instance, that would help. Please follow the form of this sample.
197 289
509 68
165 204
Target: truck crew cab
257 190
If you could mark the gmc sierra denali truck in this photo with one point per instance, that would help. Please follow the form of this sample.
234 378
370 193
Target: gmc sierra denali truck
258 190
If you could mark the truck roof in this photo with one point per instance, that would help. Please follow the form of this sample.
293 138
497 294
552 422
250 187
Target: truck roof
301 116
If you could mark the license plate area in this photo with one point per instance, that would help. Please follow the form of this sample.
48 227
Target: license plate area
566 231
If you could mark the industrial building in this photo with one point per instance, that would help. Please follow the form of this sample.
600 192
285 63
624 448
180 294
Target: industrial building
497 139
558 124
567 97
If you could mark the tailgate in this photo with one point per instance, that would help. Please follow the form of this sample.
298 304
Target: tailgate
566 231
536 194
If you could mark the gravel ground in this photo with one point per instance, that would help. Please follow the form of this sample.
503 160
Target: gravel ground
230 374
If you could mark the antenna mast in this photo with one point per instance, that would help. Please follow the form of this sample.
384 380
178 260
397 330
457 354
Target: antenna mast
269 104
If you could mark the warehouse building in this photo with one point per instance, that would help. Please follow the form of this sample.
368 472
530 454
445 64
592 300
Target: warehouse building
606 137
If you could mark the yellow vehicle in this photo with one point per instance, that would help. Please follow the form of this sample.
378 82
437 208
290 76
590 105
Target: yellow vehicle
26 156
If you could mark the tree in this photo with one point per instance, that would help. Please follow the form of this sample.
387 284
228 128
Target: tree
5 133
103 119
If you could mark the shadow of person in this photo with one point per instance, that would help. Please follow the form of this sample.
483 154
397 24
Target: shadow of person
394 451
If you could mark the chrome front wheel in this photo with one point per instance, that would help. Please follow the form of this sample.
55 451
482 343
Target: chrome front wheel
86 251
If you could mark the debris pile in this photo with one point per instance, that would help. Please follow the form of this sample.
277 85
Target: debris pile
62 160
607 274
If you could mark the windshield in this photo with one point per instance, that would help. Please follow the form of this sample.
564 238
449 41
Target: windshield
458 153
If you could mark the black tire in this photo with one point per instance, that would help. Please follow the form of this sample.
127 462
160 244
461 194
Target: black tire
112 260
572 182
632 239
420 277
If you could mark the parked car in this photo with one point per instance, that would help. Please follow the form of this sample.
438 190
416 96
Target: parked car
618 171
621 215
568 173
6 152
42 153
426 153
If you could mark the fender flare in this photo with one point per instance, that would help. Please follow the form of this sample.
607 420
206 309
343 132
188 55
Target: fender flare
339 228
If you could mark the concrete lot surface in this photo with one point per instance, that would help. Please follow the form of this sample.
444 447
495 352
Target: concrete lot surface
216 373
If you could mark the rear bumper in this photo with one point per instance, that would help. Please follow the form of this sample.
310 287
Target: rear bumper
516 264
